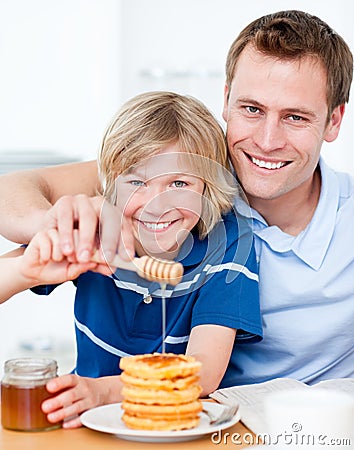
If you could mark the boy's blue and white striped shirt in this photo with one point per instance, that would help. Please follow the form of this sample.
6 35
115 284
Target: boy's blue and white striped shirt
219 286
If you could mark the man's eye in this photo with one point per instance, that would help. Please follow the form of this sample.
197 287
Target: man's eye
137 183
179 184
252 109
295 118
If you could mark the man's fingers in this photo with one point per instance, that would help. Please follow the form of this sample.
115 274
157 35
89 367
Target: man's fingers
62 214
87 223
87 226
109 230
78 215
116 233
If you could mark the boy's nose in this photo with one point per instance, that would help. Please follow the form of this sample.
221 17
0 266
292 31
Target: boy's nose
158 202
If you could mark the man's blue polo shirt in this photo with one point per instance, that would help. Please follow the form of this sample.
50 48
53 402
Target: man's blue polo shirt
306 292
219 286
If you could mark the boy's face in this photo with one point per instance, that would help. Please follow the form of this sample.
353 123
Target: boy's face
276 114
163 197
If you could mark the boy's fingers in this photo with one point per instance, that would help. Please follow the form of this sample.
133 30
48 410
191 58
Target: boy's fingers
65 412
72 423
126 248
56 252
62 382
76 269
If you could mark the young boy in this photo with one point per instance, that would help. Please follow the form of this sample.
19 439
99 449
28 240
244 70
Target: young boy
163 163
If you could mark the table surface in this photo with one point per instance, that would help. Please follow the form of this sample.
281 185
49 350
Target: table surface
236 437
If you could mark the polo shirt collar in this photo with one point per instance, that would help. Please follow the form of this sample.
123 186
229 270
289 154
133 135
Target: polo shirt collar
312 243
193 250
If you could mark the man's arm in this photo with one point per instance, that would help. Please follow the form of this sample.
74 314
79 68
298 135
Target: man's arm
26 196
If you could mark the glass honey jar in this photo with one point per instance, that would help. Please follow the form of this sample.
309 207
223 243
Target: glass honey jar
23 389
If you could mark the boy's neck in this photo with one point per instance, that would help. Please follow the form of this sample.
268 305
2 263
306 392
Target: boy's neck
170 255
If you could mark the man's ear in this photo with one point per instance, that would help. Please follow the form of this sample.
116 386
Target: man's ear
226 103
334 123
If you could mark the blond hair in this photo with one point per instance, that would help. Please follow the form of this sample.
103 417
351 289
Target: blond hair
150 121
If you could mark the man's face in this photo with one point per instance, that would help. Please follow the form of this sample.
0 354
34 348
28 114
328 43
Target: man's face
276 114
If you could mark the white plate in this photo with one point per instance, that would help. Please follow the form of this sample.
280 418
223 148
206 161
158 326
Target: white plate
107 419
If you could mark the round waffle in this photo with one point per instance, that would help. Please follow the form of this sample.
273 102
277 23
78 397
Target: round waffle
156 383
182 411
145 423
160 397
160 366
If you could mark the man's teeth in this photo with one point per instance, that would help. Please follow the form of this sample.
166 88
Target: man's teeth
267 164
157 226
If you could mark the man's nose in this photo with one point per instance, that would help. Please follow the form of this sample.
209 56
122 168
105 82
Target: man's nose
270 134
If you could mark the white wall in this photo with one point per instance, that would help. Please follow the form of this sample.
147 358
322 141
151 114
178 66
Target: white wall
59 77
67 65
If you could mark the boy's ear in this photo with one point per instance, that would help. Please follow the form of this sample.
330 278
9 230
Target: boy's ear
334 123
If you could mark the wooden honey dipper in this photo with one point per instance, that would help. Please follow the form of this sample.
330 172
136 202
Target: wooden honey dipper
152 269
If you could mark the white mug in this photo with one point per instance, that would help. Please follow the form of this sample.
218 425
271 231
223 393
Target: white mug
310 418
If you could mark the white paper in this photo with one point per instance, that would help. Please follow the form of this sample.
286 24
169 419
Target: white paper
251 397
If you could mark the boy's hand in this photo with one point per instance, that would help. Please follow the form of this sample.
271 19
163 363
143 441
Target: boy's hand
77 394
44 263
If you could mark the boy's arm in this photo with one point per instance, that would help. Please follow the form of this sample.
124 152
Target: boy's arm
11 280
40 263
212 346
27 195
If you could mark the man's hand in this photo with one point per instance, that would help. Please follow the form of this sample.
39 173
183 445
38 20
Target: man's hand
98 225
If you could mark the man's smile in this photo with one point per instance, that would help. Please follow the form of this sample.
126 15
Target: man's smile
264 164
268 164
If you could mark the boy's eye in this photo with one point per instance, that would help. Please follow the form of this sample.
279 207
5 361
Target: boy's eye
137 183
179 184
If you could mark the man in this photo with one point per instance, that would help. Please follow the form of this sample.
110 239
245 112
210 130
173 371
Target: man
288 79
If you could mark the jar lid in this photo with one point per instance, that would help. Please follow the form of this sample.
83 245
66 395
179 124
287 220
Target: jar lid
31 369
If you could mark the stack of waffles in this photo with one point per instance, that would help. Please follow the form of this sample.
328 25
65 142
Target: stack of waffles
161 391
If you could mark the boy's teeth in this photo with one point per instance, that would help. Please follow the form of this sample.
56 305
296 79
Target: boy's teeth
267 164
157 226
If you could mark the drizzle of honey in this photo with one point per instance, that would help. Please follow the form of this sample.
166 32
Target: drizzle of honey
163 303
